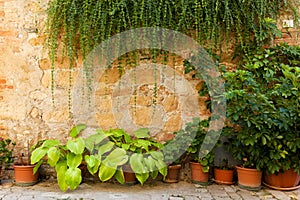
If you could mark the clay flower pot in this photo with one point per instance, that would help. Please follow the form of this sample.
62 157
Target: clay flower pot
287 179
173 174
198 176
24 175
249 178
223 176
129 175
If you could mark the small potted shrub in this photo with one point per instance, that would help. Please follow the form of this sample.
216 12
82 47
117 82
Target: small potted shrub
223 174
144 156
174 152
65 158
200 165
116 154
6 150
23 170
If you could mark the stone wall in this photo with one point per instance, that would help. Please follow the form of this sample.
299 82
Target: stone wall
27 113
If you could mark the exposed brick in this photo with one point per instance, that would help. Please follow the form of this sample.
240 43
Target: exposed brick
2 14
8 33
2 127
10 87
2 81
1 98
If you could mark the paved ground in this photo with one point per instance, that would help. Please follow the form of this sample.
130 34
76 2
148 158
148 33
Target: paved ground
151 191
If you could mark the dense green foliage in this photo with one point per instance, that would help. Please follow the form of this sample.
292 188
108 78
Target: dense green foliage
264 108
6 149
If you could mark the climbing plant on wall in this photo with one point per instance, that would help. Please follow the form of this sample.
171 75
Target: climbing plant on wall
79 25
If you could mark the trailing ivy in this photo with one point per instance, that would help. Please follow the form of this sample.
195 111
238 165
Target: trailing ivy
78 26
81 24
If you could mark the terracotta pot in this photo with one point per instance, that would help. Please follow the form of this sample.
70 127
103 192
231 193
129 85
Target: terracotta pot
287 179
173 174
129 175
24 175
198 176
223 176
249 178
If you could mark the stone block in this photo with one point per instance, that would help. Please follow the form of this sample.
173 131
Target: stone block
170 103
173 123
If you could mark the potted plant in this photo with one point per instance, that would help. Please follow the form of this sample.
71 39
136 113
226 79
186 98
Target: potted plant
6 150
65 158
223 174
23 170
116 154
263 109
174 152
144 157
200 165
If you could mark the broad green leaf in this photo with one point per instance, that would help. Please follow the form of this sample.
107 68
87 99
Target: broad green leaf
162 167
264 141
90 160
106 172
142 177
53 156
93 163
73 177
142 133
61 168
73 160
137 163
37 166
150 163
77 146
157 155
50 143
38 154
105 148
76 130
154 174
125 146
117 132
119 175
94 139
115 158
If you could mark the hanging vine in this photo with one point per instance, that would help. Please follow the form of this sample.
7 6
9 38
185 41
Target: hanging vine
79 25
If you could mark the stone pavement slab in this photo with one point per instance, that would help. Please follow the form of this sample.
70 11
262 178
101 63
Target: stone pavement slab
155 190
